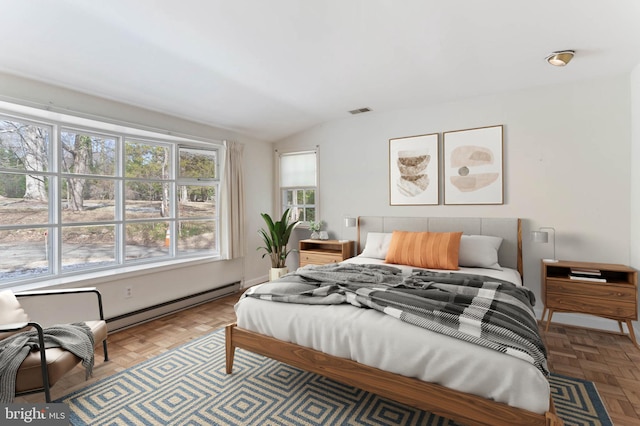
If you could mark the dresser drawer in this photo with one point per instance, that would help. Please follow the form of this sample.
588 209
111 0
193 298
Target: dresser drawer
610 292
591 305
313 258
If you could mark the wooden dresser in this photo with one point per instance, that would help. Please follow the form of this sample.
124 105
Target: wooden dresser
603 289
321 252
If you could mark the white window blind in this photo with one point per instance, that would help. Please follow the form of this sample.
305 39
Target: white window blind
298 169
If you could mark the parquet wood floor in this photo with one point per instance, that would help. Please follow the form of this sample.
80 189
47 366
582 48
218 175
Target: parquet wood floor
608 359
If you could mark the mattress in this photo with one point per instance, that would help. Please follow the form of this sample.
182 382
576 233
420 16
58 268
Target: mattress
378 340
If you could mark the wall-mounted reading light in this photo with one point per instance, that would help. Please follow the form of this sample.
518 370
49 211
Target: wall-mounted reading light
350 222
560 59
541 236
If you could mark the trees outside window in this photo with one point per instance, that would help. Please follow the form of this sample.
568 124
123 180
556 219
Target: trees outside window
74 199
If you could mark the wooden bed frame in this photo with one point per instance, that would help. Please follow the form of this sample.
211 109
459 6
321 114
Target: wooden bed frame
458 406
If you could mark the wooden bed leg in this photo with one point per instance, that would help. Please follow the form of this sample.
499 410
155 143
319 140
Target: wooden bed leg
230 349
551 418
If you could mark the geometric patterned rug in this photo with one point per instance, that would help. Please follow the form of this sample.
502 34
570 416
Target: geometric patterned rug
188 386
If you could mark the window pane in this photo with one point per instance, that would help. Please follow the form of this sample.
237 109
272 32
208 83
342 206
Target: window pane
198 163
287 197
87 154
197 237
12 185
297 213
310 214
300 196
143 160
87 246
298 169
146 200
147 240
197 201
16 210
24 146
88 200
310 196
24 254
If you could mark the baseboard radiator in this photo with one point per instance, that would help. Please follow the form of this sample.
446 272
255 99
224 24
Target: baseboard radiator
152 312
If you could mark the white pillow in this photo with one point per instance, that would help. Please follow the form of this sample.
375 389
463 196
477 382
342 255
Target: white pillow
10 312
479 251
377 245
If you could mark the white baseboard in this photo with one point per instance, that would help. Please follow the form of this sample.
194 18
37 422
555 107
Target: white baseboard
144 315
255 281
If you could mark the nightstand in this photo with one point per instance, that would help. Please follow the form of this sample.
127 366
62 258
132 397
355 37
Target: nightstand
321 252
603 289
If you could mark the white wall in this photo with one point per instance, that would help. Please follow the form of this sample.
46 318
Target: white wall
153 286
566 160
635 172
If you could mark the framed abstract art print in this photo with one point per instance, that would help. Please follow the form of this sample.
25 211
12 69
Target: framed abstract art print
413 170
473 166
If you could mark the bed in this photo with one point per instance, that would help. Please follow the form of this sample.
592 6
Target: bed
343 342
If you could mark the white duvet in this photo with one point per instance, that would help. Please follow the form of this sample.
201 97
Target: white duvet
378 340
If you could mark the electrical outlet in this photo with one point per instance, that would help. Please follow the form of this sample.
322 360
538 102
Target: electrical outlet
128 292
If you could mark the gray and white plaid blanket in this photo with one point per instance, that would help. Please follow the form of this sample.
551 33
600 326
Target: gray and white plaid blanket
485 311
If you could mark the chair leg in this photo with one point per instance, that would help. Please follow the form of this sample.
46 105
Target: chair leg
43 362
104 346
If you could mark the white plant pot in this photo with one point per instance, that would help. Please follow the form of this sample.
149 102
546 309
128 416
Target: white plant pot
276 273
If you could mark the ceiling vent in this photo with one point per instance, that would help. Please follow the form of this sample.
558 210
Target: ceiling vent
359 111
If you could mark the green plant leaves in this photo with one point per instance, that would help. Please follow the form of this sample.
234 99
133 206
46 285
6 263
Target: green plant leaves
276 237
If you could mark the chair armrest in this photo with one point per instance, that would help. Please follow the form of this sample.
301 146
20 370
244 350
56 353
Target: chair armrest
65 291
13 327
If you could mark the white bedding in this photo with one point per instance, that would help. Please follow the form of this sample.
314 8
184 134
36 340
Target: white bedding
346 331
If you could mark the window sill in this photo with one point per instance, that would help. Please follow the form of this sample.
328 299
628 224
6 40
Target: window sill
98 277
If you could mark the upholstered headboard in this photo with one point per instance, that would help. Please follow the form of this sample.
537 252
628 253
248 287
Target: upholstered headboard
509 255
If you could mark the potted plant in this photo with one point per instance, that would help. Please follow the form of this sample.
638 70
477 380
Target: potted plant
276 237
315 228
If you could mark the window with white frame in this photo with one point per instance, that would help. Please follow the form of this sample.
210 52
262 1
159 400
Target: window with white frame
76 200
298 175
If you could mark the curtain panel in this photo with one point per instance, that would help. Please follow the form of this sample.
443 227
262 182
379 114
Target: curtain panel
232 202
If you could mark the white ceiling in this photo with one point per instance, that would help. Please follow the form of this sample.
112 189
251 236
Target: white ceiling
272 68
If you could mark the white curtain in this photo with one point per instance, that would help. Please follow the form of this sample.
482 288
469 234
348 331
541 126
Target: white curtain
232 202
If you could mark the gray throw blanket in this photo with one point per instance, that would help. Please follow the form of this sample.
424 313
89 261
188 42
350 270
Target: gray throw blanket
76 338
485 311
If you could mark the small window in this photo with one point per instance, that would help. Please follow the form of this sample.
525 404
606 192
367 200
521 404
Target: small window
298 181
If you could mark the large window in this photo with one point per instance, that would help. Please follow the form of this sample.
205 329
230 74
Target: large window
298 175
76 199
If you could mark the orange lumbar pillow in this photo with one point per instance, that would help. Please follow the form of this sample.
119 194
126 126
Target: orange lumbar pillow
434 250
